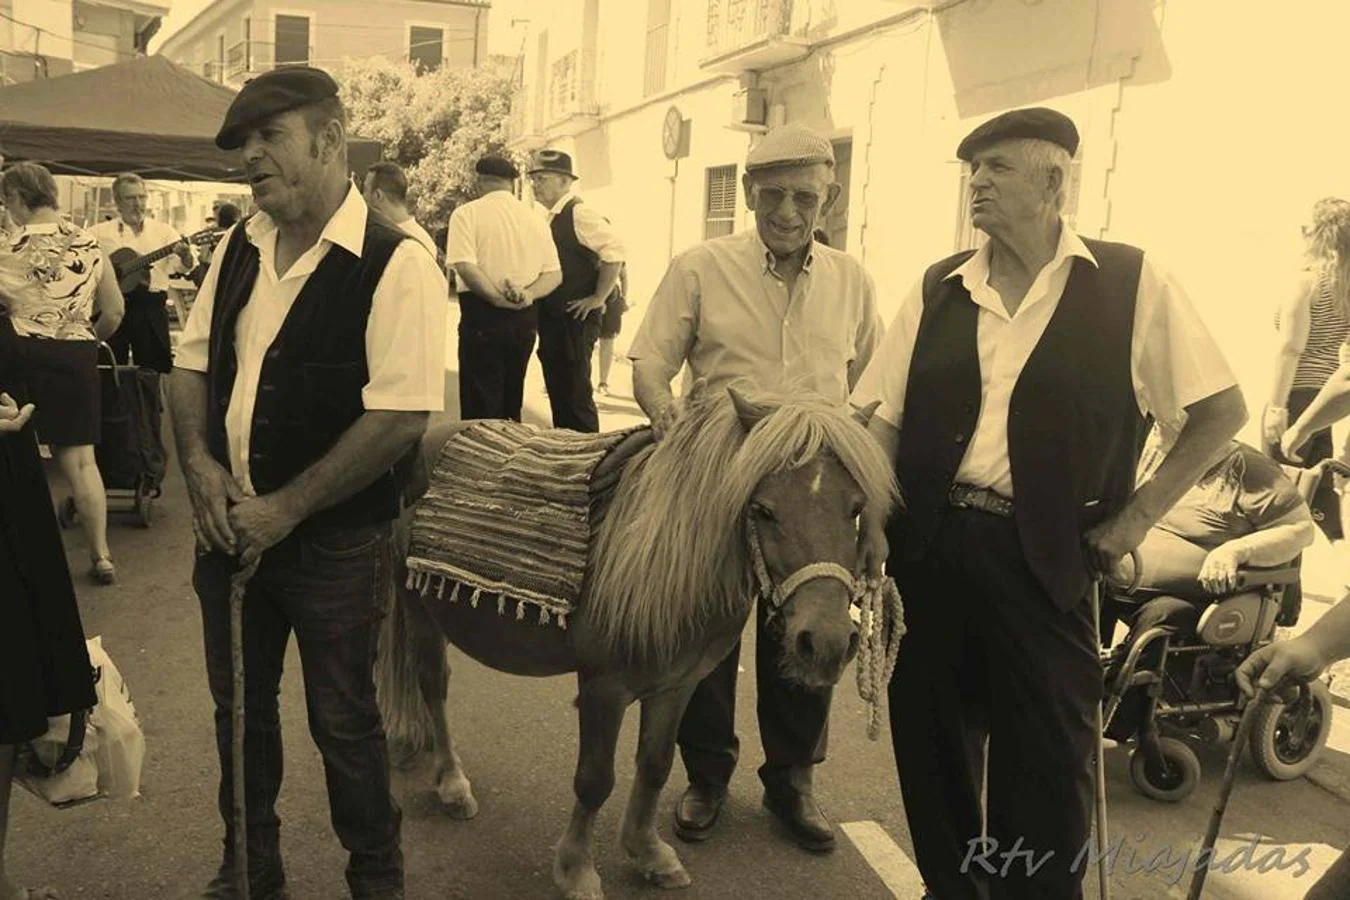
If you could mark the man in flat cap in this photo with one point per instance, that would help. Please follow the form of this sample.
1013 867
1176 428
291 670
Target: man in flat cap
768 309
592 256
1014 385
503 254
386 192
307 371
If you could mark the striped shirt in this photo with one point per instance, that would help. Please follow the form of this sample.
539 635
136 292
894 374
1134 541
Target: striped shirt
1328 327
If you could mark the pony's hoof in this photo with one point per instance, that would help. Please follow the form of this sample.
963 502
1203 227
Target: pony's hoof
580 884
669 879
458 803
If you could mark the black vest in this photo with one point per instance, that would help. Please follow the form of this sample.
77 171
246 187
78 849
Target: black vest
309 391
580 264
1074 426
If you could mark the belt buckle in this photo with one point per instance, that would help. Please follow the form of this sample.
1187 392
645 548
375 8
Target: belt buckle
960 495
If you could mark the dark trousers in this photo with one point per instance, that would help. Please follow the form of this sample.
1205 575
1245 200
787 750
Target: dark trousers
327 588
144 332
793 721
565 348
492 365
988 655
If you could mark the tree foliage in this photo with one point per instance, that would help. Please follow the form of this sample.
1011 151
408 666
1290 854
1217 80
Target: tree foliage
433 124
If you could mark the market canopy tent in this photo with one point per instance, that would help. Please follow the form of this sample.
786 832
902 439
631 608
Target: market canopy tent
147 115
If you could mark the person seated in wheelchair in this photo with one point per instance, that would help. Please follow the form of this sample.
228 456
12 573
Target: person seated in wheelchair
1244 512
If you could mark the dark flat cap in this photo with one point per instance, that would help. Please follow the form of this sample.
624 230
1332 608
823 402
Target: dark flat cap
270 93
553 161
496 166
1037 123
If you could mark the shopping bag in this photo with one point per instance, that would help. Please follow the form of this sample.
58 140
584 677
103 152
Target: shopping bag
91 753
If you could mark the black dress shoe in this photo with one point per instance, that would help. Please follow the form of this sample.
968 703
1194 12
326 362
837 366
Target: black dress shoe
269 887
801 816
696 813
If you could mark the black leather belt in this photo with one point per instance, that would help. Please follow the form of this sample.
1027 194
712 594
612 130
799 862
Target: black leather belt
966 496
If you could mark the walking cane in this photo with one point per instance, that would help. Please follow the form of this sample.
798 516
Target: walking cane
238 586
1103 878
1225 788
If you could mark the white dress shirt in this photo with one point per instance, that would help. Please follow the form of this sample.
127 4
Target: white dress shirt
593 230
410 226
115 234
405 333
502 236
1174 360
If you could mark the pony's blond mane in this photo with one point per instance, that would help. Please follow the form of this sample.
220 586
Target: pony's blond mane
670 554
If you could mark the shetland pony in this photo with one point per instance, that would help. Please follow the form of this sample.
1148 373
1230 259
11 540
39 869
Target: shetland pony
740 500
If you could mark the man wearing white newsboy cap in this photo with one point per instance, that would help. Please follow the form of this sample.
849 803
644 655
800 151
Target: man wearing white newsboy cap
769 309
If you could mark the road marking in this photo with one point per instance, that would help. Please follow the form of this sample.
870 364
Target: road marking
884 855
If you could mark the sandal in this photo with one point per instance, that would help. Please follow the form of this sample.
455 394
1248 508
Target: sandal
104 571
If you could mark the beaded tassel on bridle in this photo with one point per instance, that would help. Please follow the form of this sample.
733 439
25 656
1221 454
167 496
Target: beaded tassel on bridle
882 620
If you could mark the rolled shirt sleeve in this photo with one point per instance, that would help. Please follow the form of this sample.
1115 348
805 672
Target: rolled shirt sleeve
596 233
1175 360
667 331
886 374
193 351
405 335
460 246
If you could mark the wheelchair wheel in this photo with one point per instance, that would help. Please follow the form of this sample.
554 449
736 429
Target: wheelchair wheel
1170 786
1286 740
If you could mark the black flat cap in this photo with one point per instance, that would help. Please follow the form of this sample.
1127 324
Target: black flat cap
496 166
270 93
1036 122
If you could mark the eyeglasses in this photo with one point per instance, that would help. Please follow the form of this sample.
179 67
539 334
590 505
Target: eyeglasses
768 196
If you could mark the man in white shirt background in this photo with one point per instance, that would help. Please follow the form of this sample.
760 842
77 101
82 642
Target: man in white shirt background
386 193
503 254
592 256
144 333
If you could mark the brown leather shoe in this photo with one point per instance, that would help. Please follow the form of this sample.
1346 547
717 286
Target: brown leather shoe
802 817
697 811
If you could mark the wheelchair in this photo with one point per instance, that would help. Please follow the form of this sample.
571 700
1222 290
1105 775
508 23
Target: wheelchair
1174 680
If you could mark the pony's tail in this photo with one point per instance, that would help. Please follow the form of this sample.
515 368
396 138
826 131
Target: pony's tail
398 689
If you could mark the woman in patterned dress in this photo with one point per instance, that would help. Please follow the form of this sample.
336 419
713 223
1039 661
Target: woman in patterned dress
1313 324
62 298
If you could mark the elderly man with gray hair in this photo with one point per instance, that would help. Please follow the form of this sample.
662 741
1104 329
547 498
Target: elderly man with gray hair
768 308
1015 383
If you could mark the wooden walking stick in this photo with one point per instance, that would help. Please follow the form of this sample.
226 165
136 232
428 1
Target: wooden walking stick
238 587
1225 788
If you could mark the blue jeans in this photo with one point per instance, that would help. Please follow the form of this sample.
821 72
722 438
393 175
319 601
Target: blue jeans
327 587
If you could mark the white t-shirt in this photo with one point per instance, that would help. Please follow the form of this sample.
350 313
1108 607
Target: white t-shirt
503 237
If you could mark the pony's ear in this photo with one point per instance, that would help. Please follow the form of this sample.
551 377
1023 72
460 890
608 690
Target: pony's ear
864 416
749 412
698 389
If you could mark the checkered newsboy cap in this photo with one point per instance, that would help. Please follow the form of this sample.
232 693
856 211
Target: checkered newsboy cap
270 93
790 145
1035 122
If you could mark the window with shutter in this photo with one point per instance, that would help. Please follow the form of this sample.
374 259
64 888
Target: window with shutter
292 40
719 212
658 44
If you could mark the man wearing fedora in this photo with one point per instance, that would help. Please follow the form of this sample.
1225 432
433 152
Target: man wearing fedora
1014 384
308 368
772 310
592 257
503 254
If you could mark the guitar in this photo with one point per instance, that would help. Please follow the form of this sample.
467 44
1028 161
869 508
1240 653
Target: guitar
133 271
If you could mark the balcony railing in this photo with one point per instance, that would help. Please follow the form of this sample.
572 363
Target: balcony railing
745 35
243 57
572 107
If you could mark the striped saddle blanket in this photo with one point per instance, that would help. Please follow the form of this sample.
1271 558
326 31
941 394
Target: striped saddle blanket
510 511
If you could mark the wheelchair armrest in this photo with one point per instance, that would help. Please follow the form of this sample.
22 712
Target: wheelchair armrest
1278 577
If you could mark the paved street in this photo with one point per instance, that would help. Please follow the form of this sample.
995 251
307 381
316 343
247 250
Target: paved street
517 738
